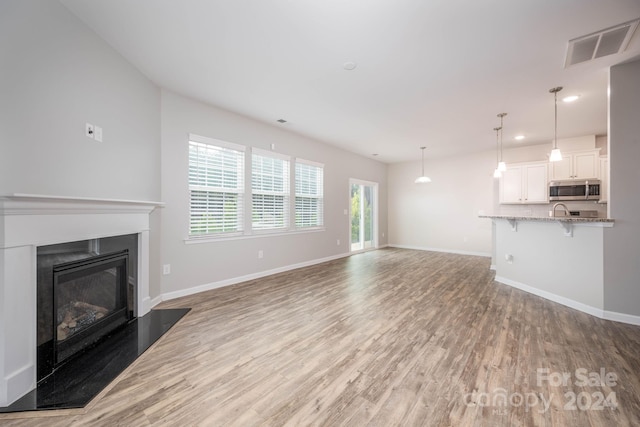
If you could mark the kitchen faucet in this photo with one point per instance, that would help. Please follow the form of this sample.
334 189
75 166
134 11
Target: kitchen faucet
566 211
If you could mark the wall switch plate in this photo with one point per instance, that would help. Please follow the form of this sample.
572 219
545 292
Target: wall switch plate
338 242
260 254
97 133
166 269
89 130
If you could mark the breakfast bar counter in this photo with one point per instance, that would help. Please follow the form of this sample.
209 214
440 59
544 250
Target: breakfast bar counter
558 258
548 218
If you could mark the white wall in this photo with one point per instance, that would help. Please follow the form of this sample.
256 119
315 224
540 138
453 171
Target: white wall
56 76
443 215
213 263
540 152
544 262
622 242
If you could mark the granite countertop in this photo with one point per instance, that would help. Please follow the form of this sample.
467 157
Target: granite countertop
547 218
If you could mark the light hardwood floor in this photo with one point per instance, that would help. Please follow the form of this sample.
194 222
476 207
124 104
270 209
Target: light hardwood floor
389 337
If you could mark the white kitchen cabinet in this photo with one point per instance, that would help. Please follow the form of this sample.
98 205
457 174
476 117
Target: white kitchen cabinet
604 179
524 183
576 165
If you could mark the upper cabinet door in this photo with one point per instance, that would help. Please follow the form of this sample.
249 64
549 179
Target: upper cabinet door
585 165
562 169
511 185
536 184
576 165
524 183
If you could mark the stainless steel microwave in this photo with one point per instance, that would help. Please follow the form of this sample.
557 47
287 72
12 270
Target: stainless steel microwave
588 189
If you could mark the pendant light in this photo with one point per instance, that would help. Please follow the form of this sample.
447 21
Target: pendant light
497 173
422 179
502 166
555 155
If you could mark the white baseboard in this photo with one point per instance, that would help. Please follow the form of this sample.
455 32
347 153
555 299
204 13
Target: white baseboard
594 311
232 281
147 304
155 301
18 383
449 251
621 317
602 314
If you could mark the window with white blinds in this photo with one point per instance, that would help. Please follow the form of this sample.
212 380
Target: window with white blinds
216 186
269 191
309 194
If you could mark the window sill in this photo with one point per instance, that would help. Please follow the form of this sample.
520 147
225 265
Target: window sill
256 235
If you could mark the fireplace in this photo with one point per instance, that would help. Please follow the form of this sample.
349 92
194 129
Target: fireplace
30 222
85 291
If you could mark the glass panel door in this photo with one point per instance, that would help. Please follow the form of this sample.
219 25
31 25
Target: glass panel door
363 215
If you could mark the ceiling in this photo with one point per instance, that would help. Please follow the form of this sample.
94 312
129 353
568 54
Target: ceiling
431 73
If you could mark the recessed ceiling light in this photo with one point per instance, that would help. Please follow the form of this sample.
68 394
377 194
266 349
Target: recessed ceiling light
349 65
519 137
571 98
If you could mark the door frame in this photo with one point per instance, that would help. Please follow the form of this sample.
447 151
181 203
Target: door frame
374 213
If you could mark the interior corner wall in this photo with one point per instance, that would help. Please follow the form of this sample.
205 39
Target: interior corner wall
198 266
622 241
443 215
57 75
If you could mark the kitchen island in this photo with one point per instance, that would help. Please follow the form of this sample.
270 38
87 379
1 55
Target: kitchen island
558 258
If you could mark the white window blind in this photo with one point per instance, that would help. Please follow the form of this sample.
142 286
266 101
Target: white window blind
309 194
216 186
269 191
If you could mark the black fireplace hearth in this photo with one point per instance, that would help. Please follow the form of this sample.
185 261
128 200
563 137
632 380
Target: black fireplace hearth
75 383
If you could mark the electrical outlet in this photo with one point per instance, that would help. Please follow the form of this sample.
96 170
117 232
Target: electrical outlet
166 269
89 130
97 133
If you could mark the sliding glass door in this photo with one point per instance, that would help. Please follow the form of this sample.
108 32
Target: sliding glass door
364 218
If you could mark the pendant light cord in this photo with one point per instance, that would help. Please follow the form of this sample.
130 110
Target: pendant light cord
497 143
555 119
501 115
555 91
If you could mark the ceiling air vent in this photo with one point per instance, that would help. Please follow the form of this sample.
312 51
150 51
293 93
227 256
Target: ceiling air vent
602 43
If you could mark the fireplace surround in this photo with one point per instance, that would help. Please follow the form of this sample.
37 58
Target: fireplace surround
31 221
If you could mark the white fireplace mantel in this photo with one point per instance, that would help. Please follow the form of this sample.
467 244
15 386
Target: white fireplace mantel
28 221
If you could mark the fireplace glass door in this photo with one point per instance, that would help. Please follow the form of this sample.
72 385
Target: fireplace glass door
90 300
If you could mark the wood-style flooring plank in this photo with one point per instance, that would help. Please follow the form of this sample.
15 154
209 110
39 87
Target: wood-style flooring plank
392 337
